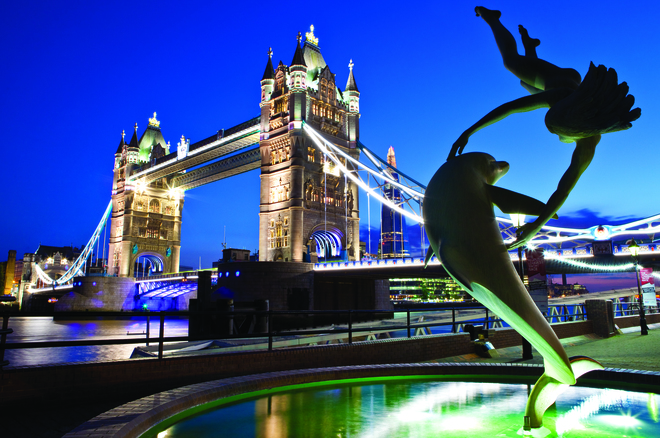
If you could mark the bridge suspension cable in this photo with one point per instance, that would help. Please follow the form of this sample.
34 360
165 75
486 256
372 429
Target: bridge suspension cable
412 195
334 152
82 259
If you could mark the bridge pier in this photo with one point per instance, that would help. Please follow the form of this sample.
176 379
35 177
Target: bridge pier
110 294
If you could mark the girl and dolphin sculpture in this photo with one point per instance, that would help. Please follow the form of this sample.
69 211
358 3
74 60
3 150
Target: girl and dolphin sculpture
459 217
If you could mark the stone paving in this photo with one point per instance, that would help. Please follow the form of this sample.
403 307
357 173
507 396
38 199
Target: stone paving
629 350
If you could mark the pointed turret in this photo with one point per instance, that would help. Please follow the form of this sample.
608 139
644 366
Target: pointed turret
133 147
298 69
122 143
350 84
134 140
352 94
120 151
268 81
269 73
298 58
352 98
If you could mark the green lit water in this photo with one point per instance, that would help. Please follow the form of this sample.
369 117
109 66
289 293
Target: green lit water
423 409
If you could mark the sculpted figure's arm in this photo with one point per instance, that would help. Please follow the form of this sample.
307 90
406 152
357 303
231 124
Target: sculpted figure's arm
584 153
544 99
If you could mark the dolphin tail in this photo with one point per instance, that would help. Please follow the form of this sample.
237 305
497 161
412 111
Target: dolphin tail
429 254
547 389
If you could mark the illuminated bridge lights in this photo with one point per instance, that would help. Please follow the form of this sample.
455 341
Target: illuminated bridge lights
569 256
370 264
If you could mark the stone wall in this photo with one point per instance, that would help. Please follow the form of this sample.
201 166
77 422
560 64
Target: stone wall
278 282
633 321
508 337
294 286
62 382
111 294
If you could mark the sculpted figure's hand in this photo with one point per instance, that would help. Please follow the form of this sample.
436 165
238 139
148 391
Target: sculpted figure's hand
459 145
525 233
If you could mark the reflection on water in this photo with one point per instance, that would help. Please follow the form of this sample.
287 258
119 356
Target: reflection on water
45 329
425 408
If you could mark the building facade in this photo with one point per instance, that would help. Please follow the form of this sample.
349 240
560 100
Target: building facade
145 224
308 209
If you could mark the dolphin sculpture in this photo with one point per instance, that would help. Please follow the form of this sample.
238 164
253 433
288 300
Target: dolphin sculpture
464 234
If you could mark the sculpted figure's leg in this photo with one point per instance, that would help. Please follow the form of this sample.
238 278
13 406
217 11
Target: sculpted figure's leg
505 41
536 73
530 44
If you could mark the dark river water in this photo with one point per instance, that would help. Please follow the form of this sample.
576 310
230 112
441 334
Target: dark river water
35 329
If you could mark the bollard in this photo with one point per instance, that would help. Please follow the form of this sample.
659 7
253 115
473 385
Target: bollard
161 335
350 327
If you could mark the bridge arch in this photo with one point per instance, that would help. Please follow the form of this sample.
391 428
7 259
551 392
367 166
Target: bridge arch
148 263
330 242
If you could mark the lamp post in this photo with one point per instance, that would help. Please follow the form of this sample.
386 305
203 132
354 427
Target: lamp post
518 221
633 247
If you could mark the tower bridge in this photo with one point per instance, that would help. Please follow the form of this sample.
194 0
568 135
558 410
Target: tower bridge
313 168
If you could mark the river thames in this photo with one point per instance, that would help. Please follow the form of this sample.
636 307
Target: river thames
40 329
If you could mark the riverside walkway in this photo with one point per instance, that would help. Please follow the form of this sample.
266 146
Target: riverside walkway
628 350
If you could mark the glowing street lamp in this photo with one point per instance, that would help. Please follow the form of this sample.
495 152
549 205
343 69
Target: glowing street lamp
518 221
633 247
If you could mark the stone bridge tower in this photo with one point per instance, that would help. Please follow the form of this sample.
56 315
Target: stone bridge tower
146 216
308 208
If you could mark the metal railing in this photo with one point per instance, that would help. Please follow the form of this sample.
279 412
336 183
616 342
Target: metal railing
348 325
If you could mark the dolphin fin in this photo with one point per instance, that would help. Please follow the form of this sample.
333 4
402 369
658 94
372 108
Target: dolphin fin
513 202
429 254
547 389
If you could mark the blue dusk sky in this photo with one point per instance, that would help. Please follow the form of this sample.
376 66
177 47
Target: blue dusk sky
78 73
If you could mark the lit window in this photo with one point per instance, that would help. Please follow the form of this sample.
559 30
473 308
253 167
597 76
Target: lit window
154 206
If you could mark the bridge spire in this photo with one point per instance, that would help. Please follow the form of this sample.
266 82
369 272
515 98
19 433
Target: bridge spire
121 143
298 58
350 84
269 73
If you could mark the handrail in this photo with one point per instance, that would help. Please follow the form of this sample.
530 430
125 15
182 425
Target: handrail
559 313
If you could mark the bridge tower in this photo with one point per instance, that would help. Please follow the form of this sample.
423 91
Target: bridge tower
146 216
308 208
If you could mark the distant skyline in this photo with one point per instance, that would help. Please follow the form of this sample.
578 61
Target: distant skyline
78 73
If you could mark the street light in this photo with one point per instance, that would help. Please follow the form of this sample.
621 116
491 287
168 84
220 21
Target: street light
633 247
518 221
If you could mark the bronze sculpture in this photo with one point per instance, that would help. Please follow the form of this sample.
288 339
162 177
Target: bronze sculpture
458 214
464 234
579 111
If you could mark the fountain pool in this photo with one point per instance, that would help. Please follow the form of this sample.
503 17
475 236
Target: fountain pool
414 406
